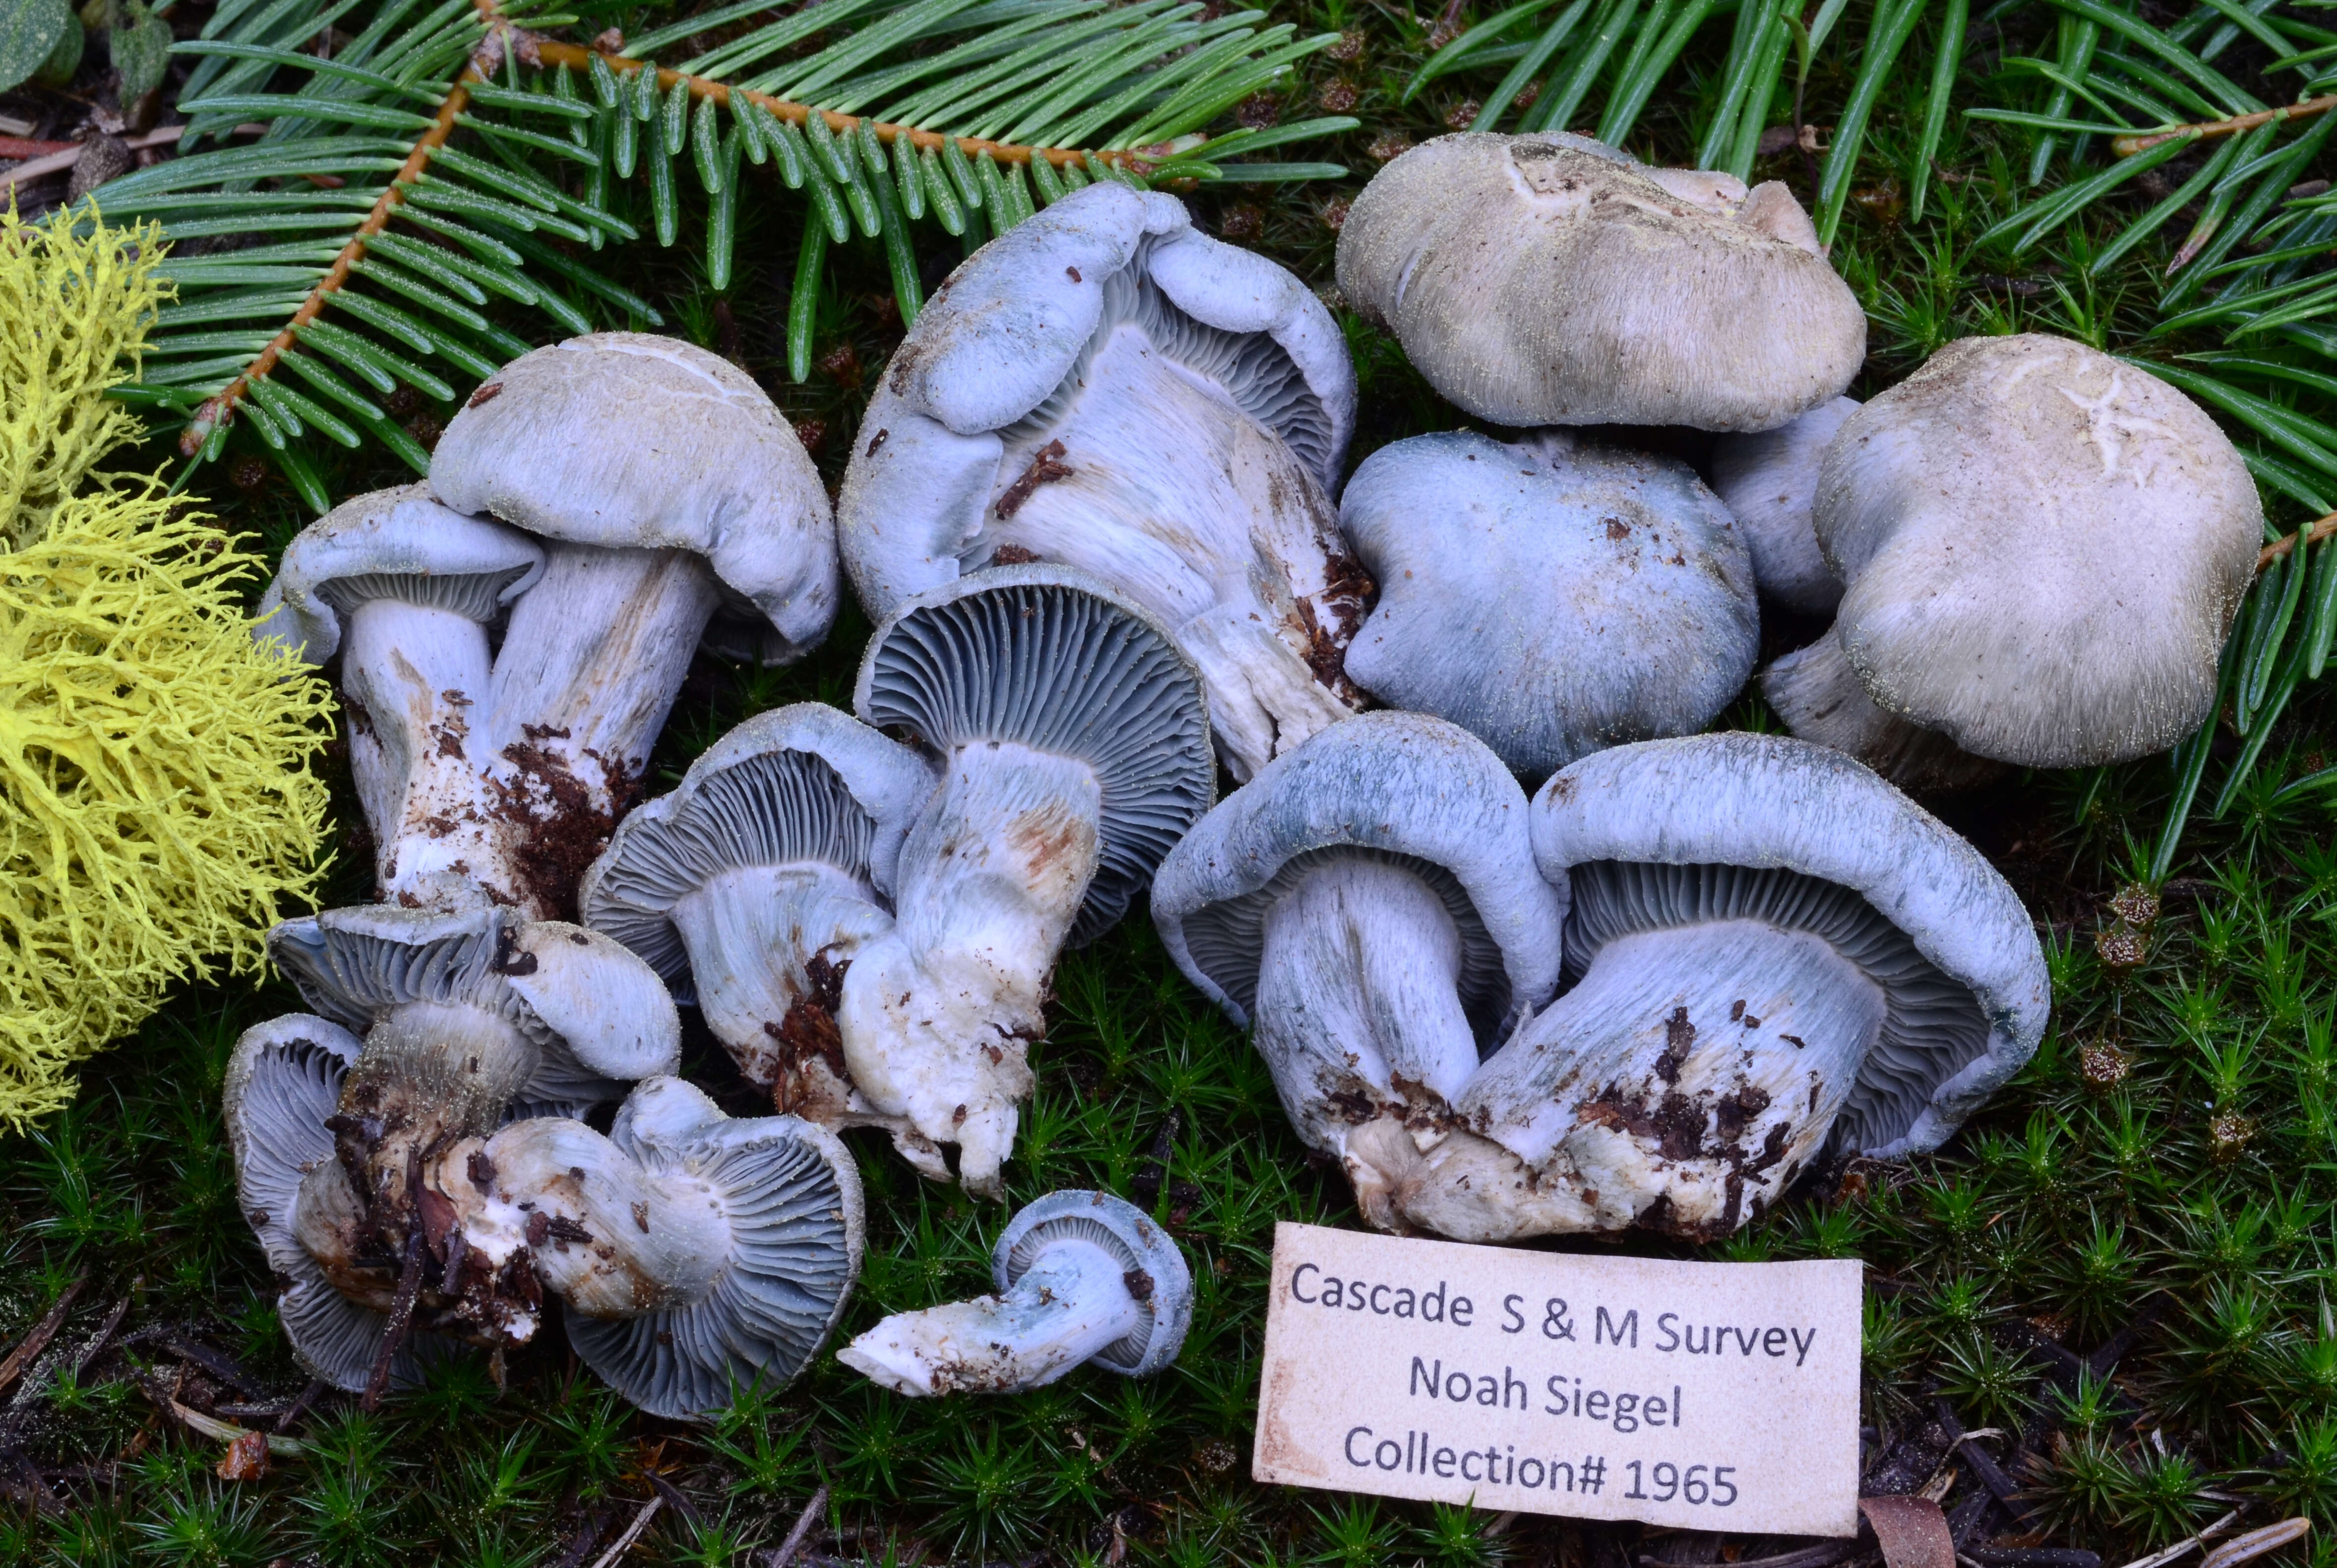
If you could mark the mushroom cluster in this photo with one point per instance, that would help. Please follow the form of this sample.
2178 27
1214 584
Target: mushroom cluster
1095 513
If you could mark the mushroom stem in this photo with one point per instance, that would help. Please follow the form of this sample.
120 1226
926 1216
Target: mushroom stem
769 947
610 1238
1358 1012
1075 1299
430 1073
1687 1077
413 675
938 1012
594 656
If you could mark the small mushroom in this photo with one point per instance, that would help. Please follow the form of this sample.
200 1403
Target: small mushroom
1549 279
1082 1277
2044 548
1105 387
1369 905
467 1018
1770 953
1072 740
1552 596
753 886
659 486
1769 480
694 1253
405 590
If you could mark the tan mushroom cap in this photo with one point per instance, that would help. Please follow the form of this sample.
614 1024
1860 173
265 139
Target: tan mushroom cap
2045 547
1546 279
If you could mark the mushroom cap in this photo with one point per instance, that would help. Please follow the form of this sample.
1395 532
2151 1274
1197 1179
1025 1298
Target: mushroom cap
1012 326
1534 281
629 441
801 783
596 1011
1143 1248
1769 480
791 1194
400 543
1770 802
283 1080
1050 658
1550 596
1399 786
2045 547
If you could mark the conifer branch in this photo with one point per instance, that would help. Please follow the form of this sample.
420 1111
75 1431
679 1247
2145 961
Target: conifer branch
483 64
2128 146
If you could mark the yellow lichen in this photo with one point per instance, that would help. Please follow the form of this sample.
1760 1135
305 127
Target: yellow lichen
155 795
75 301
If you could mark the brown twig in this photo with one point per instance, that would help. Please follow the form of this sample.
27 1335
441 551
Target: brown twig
70 154
576 57
2312 535
804 1522
401 1318
624 1543
2128 146
43 1332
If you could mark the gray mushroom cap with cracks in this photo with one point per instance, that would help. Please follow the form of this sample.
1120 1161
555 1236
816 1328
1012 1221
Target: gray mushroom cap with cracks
1550 595
1771 954
405 590
1536 280
1105 387
696 1255
1769 481
1369 904
1081 1277
1072 740
753 885
2044 546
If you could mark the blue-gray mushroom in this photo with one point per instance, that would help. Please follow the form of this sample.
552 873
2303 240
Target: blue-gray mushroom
2044 548
1550 279
1081 1277
435 1026
1369 906
646 497
1769 483
1551 595
695 1254
753 886
1770 953
1072 743
1105 387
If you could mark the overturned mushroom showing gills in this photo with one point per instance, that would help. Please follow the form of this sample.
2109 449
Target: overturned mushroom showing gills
1769 481
695 1254
1081 1277
753 886
1369 905
283 1085
658 498
2044 546
437 1026
1550 595
1105 387
1770 953
1549 279
1073 744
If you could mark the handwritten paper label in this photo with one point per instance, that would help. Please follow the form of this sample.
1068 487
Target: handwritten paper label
1707 1396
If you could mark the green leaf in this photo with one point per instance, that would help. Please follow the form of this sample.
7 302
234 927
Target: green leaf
30 31
140 49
